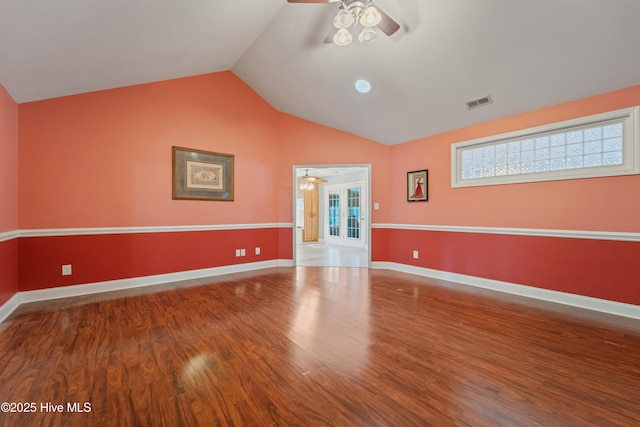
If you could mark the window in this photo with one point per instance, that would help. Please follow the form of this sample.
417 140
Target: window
601 145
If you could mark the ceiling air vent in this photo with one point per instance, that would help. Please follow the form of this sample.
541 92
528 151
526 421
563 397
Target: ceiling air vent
479 102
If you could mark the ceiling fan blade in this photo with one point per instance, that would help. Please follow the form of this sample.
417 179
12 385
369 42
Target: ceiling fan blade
387 25
315 179
332 32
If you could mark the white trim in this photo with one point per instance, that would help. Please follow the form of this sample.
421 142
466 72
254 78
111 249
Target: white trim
541 232
55 232
7 308
589 303
568 234
9 235
136 282
630 117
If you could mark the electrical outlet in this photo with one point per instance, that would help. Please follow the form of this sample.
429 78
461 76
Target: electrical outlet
66 270
415 254
376 206
237 252
258 250
243 252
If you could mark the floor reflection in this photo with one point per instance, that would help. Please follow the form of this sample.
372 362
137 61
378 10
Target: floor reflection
323 254
331 323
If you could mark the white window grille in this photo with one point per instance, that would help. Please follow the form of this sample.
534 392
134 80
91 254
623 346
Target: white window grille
594 146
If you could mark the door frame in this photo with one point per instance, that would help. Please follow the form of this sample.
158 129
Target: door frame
367 189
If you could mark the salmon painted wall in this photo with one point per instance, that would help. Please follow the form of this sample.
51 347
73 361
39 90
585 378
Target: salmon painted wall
103 159
605 204
302 142
8 162
8 195
581 266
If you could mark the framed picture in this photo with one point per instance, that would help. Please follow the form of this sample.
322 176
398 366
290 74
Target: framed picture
418 186
202 175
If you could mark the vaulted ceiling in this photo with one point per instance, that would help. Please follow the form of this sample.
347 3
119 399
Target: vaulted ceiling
524 54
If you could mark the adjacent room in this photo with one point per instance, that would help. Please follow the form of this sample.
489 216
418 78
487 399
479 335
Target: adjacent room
319 212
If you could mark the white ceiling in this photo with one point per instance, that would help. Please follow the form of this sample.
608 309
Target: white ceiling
524 54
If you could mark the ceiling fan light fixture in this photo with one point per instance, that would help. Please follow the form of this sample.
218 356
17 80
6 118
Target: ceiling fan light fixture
343 19
370 17
309 182
367 35
343 37
306 185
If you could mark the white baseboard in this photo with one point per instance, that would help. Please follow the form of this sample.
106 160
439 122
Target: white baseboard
596 304
7 308
136 282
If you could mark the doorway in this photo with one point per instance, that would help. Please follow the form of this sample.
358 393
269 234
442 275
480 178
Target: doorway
331 215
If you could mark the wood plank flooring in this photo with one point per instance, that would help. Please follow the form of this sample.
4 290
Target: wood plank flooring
317 346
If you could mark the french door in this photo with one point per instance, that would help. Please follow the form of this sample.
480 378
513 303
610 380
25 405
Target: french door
346 214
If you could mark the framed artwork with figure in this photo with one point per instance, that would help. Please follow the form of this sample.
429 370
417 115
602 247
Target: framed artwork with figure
202 175
418 186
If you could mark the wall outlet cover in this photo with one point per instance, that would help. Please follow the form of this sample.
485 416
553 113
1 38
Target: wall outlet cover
66 270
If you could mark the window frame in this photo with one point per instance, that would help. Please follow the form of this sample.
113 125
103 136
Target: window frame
629 117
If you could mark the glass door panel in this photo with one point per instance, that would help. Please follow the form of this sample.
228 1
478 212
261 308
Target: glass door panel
334 214
345 214
353 212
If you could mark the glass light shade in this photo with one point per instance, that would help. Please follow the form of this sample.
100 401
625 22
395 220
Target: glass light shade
343 37
343 19
306 185
370 17
367 35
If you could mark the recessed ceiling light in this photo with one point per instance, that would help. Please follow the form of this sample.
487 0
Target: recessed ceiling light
363 86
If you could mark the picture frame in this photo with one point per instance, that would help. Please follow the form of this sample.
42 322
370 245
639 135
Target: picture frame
418 186
202 175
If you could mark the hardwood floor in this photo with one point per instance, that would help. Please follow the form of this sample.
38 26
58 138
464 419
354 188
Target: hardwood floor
318 346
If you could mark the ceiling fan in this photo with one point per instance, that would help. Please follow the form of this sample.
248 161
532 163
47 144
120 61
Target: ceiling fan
356 13
307 182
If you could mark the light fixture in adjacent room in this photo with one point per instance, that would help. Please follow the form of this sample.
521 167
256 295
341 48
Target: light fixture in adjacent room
363 86
308 183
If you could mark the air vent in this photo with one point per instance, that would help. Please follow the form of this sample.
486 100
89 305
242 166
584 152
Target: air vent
479 102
